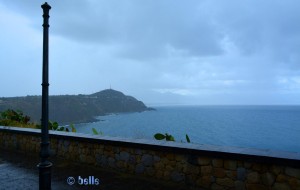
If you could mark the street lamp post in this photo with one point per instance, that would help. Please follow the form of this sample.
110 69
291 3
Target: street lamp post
44 165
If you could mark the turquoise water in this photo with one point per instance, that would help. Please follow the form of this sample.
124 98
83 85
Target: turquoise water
266 127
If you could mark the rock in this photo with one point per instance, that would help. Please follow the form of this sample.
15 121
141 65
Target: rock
172 163
179 166
204 181
190 169
227 182
159 166
294 183
247 165
90 159
256 187
111 162
239 185
124 156
150 109
166 175
82 158
281 186
219 172
253 177
268 179
240 164
281 178
100 159
293 172
120 165
180 158
156 158
241 174
230 164
218 163
215 186
66 143
176 176
231 174
276 169
204 161
139 169
170 156
150 171
257 167
147 160
206 170
132 160
159 174
169 168
138 152
190 179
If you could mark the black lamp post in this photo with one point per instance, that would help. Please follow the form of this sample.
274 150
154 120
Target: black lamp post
44 165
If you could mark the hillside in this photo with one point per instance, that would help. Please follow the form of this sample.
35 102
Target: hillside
67 109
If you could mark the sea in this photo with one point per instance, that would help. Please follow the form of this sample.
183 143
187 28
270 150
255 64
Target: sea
262 127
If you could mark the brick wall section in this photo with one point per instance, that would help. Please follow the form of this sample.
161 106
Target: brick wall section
205 166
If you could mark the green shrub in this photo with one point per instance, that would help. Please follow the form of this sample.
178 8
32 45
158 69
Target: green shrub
95 132
159 136
17 119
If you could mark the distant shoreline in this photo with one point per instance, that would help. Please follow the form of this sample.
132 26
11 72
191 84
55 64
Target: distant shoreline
97 120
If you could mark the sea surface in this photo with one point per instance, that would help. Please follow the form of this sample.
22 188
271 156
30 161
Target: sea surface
264 127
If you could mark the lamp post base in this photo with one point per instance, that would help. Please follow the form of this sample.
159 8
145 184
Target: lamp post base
45 175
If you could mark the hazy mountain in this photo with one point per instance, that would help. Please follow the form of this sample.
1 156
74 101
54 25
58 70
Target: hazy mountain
67 109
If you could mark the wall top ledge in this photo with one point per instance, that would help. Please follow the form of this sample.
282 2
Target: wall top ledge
251 154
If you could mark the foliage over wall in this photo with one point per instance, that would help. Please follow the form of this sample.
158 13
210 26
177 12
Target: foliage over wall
16 119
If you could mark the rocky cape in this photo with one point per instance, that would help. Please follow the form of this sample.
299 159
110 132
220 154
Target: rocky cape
67 109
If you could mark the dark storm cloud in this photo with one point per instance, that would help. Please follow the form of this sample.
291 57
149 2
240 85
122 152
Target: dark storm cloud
142 28
202 51
194 27
268 27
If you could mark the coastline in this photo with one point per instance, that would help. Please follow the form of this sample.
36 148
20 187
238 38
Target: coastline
94 119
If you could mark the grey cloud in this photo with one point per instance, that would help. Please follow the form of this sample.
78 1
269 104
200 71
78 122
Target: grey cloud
203 51
268 27
142 27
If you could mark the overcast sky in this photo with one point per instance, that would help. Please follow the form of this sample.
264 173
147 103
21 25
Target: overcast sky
159 51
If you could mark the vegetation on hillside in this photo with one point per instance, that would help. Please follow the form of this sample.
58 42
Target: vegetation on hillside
75 108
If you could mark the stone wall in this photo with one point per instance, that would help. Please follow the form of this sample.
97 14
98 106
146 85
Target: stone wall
204 166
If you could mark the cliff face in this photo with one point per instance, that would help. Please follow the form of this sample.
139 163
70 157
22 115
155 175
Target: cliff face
75 108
